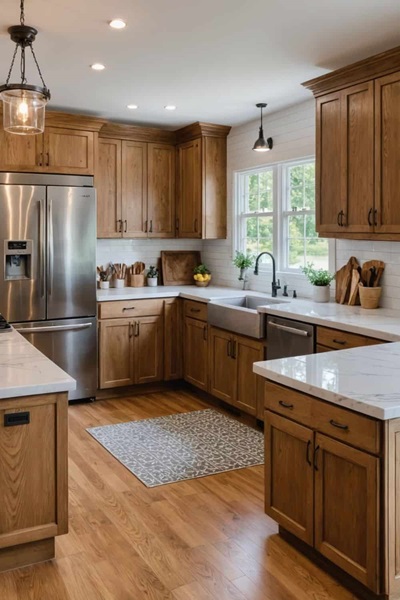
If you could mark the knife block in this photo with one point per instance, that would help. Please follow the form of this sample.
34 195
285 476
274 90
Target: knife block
137 280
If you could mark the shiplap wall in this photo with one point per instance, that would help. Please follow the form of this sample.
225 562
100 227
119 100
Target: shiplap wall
293 132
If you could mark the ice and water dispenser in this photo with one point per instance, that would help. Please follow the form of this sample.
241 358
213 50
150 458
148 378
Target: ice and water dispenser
18 259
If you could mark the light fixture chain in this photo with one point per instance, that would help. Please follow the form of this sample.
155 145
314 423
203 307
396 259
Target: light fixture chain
22 16
37 65
22 65
12 64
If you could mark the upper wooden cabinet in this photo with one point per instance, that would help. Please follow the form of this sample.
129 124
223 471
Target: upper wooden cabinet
108 184
357 149
161 191
201 200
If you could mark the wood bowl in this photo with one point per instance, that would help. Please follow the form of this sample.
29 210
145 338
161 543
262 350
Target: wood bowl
203 283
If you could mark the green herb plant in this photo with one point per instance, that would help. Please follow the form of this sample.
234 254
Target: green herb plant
152 272
243 261
201 270
320 277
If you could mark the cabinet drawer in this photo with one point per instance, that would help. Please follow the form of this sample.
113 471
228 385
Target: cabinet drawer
339 340
286 402
352 428
130 308
195 310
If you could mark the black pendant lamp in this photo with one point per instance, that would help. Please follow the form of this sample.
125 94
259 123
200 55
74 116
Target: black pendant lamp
262 145
23 104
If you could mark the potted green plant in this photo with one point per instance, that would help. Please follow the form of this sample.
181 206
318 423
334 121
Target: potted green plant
321 280
152 276
243 262
201 275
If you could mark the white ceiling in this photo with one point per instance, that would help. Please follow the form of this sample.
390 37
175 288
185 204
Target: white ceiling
214 59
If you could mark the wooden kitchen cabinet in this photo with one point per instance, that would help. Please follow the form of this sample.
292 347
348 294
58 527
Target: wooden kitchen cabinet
19 152
201 202
289 475
134 189
347 514
109 189
173 342
333 339
357 149
231 359
148 349
33 478
195 356
161 191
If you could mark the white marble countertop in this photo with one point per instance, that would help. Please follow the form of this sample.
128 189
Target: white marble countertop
381 323
24 371
366 380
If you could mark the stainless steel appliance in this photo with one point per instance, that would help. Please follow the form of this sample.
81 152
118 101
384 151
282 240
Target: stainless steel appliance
48 268
289 338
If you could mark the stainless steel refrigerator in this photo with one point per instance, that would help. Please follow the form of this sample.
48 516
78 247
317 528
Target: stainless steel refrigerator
48 269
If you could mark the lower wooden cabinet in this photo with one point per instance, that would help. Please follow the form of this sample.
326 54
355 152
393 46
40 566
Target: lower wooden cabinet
231 359
324 491
173 325
33 476
130 351
195 356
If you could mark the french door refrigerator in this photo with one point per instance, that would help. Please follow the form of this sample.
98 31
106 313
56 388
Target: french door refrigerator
48 269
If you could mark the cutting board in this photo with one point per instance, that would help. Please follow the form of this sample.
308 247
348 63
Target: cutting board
343 280
177 266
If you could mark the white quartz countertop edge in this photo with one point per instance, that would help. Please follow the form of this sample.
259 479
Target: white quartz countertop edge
25 371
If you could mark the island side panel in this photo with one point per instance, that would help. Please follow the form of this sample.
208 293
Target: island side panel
392 509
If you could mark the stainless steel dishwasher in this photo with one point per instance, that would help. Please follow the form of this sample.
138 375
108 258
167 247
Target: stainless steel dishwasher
286 337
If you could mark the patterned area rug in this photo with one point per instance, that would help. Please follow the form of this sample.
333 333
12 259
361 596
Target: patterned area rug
182 446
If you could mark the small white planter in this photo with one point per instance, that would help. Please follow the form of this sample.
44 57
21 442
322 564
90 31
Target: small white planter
152 281
119 283
321 293
104 285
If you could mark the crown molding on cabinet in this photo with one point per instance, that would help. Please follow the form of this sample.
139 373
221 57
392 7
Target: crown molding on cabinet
364 70
137 133
196 130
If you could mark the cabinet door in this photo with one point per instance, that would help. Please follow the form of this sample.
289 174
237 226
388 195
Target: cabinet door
69 151
33 470
289 480
134 189
347 509
358 157
161 191
189 223
173 339
195 359
214 188
330 204
387 154
116 353
20 152
222 365
246 353
148 349
108 186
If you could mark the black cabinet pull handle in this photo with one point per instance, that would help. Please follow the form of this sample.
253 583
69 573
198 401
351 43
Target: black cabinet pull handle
316 458
151 226
369 217
145 226
285 404
376 217
195 310
128 308
339 425
308 459
15 419
338 218
126 226
340 342
229 348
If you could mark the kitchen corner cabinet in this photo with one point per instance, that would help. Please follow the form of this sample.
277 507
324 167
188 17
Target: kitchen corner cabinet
310 446
57 150
33 478
357 149
201 201
231 359
135 189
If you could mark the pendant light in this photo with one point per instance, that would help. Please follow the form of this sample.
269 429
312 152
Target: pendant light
262 145
23 104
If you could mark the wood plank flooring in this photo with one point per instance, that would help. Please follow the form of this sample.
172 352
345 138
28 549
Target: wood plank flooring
203 539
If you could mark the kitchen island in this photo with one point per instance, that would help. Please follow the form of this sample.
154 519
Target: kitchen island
332 461
33 453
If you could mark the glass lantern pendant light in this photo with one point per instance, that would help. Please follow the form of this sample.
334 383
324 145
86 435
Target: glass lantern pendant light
23 104
262 145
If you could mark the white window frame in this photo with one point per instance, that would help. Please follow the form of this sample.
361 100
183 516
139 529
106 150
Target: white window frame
280 213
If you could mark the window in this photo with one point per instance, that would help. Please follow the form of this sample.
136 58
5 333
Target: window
276 212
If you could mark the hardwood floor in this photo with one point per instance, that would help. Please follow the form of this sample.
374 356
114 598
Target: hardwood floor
203 539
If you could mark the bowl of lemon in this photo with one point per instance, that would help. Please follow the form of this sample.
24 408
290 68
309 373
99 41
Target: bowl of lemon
201 275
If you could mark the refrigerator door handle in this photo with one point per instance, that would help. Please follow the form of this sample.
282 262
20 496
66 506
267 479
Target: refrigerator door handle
50 248
41 247
52 328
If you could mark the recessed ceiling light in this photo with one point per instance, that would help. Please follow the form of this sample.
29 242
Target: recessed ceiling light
170 107
97 67
117 24
132 106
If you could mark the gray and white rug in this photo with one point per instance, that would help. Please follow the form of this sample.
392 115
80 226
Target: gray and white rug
182 446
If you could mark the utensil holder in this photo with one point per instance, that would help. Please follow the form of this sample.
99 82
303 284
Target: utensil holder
369 296
137 280
119 283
